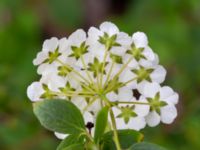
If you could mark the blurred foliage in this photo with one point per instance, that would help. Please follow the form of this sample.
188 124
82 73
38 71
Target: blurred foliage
173 28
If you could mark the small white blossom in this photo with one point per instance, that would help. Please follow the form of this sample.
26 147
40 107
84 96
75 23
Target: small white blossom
162 101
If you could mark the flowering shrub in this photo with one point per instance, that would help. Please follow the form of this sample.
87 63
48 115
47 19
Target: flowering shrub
97 90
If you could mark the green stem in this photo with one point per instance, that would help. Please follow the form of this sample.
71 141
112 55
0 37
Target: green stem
109 73
116 138
137 103
104 62
127 82
85 67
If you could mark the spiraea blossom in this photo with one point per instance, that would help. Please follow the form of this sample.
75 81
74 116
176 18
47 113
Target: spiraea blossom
105 67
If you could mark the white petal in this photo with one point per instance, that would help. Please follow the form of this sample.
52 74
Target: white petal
88 117
140 39
95 107
159 74
125 94
149 54
44 69
168 114
156 60
149 89
152 119
120 51
165 92
41 56
109 28
172 99
34 91
61 136
93 35
79 102
124 39
137 123
64 45
121 124
53 81
142 110
50 44
112 96
97 50
126 75
77 37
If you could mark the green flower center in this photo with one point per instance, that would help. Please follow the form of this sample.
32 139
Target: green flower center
156 103
127 113
136 52
52 56
143 74
77 52
108 41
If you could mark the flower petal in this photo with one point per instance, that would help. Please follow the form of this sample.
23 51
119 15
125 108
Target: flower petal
41 56
109 28
140 39
159 74
152 119
136 123
34 91
77 37
142 110
149 89
125 94
112 96
50 44
168 114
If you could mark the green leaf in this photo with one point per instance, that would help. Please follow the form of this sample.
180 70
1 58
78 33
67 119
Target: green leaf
74 147
126 137
101 123
146 146
59 115
70 140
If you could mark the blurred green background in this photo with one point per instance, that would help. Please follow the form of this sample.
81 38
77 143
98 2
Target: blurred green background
173 28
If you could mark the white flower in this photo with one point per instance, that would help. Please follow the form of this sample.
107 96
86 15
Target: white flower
142 53
107 37
51 50
103 68
127 117
136 123
162 101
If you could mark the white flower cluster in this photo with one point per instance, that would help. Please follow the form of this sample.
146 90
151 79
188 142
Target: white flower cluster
106 67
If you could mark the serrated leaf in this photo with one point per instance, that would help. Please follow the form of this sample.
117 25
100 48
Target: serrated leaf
127 138
60 116
70 140
146 146
101 123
